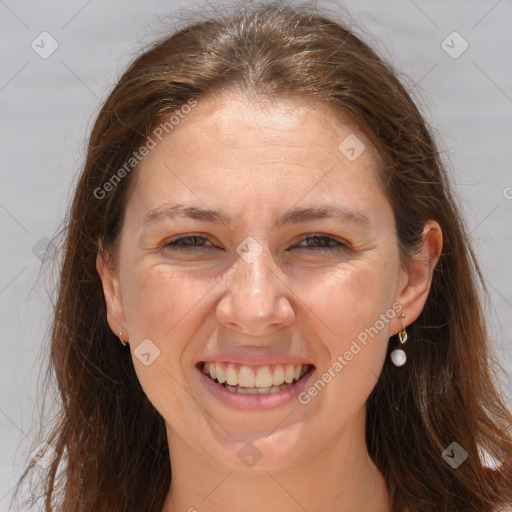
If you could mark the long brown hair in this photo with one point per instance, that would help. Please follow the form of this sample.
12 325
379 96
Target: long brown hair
110 441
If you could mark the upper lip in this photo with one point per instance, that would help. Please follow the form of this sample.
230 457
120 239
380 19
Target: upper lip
259 360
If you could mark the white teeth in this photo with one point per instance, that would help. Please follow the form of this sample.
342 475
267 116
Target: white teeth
288 373
255 391
232 376
278 378
246 377
242 391
220 374
250 378
263 377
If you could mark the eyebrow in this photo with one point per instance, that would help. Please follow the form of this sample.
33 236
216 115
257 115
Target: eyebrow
293 216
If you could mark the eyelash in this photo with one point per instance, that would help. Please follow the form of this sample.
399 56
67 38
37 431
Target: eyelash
172 244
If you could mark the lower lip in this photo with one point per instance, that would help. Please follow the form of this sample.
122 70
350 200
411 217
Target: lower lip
255 402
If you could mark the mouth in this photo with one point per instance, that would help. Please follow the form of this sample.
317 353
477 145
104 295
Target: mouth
254 380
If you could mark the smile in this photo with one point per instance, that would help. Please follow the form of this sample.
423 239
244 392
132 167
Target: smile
254 380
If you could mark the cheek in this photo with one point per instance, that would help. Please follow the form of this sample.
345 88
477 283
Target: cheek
163 306
350 299
159 301
352 314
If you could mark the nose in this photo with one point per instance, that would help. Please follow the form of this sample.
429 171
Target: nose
256 301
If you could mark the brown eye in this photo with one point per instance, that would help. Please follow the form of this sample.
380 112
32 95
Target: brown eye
188 242
322 242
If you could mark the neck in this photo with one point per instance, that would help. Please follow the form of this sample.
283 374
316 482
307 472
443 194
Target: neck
342 477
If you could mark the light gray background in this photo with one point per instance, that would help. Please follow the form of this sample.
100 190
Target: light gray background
47 107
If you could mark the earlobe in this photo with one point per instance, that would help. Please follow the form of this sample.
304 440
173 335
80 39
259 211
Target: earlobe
111 291
420 272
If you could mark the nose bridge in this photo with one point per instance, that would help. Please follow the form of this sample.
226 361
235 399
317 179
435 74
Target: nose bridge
255 297
254 274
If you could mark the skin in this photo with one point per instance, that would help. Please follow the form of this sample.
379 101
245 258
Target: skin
253 160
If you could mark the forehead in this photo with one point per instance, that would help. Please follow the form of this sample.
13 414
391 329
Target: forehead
232 122
234 146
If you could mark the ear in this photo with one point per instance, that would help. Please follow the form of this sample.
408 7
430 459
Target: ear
414 293
115 311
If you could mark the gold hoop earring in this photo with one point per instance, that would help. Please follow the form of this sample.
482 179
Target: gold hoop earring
120 339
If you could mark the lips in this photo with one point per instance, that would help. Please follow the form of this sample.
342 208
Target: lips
254 398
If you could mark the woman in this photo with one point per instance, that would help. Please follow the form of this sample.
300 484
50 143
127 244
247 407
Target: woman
268 289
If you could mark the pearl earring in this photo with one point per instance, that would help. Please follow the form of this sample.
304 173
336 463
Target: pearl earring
398 356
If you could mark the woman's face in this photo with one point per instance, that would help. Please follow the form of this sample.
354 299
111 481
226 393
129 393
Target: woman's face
267 282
